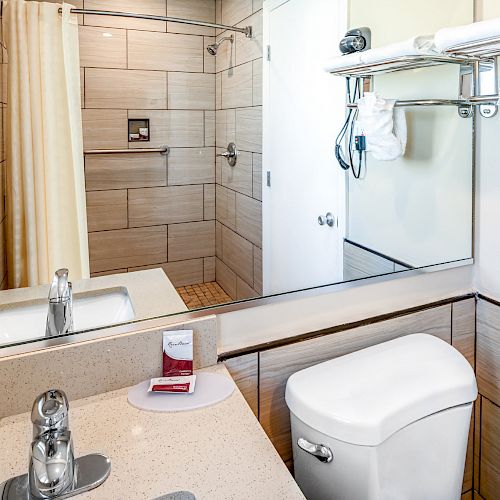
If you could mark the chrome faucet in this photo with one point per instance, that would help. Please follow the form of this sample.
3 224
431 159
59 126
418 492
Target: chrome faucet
53 472
60 314
52 462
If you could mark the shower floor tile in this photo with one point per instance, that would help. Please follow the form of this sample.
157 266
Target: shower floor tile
203 295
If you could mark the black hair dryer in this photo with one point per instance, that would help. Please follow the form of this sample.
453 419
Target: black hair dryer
356 40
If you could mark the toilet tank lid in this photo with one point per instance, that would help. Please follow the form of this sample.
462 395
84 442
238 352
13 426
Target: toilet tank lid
365 397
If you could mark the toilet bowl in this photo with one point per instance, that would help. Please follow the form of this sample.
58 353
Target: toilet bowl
389 422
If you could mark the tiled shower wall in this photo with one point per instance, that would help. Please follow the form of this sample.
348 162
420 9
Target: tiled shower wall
146 210
239 120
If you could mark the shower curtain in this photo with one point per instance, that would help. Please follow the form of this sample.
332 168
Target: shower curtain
46 212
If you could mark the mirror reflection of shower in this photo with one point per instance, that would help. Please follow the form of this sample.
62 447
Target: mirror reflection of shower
214 47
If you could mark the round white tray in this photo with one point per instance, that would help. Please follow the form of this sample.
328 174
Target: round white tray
210 388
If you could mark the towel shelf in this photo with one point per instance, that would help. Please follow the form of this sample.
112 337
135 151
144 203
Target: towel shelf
487 47
402 63
165 150
472 101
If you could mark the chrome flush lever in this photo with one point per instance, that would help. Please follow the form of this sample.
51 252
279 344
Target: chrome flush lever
320 451
231 154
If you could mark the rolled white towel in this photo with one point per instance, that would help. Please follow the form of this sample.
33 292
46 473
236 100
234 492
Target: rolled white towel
415 46
383 125
449 37
341 62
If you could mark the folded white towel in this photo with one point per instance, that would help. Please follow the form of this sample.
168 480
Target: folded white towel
449 37
383 125
415 46
341 62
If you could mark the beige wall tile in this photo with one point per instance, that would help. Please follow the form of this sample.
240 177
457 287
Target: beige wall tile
102 47
127 248
82 87
209 60
248 49
226 278
209 269
192 240
220 132
125 89
237 86
209 201
490 450
197 10
245 372
257 270
257 176
122 171
239 177
151 7
234 11
225 206
276 365
464 328
360 263
209 128
165 51
218 239
191 91
488 350
185 129
165 205
244 290
257 82
249 219
257 5
191 166
107 210
249 129
104 128
185 272
237 253
218 91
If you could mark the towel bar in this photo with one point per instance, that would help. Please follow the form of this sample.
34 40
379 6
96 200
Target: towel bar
164 151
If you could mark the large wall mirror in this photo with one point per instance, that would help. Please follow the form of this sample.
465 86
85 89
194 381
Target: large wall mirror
171 167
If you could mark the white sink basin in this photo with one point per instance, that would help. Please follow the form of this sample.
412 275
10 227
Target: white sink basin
27 321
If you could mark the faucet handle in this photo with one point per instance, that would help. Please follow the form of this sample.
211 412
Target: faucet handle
50 412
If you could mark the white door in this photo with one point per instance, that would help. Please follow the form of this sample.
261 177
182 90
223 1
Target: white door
304 108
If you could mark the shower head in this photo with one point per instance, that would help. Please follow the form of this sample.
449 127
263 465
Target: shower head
214 47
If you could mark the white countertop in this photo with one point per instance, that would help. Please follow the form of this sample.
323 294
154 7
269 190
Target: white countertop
219 452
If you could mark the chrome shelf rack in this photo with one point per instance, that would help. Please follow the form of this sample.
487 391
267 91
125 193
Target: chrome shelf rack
486 48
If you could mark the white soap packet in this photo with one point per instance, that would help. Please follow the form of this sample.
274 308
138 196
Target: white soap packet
173 385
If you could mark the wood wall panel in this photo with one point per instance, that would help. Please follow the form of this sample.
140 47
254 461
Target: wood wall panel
245 371
276 365
490 451
488 350
464 328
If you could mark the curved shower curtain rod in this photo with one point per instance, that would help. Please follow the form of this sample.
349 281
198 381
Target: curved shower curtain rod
247 30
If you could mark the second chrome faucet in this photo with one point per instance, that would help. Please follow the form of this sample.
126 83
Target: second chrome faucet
60 313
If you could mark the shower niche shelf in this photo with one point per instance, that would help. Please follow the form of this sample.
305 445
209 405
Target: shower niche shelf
402 63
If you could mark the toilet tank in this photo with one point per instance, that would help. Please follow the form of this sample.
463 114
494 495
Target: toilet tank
392 415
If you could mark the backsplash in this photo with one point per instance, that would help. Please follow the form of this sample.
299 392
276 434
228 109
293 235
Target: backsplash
146 210
239 120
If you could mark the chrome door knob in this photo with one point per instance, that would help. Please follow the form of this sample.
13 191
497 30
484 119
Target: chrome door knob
327 219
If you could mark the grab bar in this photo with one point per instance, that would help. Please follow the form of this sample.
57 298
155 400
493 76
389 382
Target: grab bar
165 150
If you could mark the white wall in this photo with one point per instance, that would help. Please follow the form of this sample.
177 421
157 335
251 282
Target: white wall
487 268
417 209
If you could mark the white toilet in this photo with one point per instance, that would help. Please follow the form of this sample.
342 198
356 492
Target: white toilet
389 422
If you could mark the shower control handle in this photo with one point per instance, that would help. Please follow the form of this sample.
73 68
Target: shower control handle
320 451
231 155
327 219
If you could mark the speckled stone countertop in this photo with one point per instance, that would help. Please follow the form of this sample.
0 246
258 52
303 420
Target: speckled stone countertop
219 452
